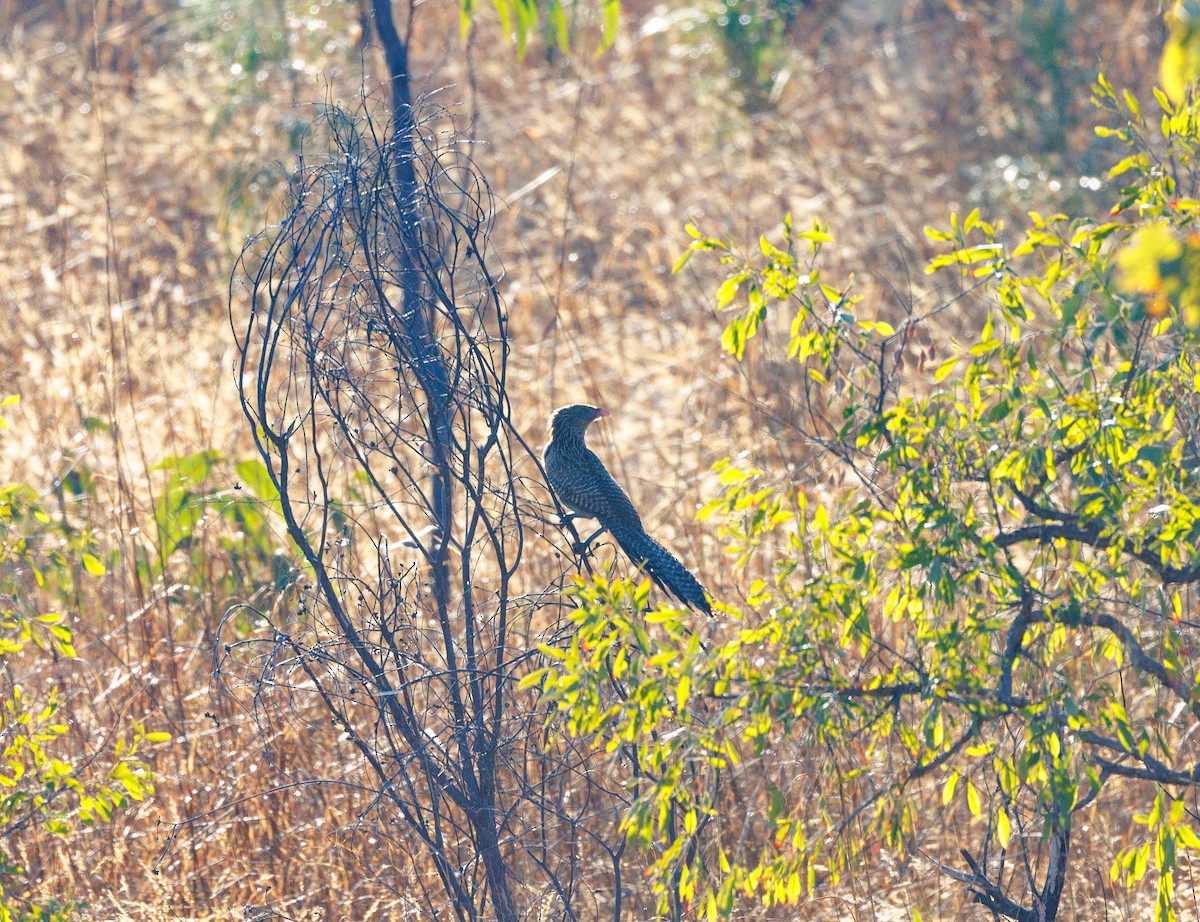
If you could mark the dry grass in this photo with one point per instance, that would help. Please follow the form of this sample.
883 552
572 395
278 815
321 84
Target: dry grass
135 161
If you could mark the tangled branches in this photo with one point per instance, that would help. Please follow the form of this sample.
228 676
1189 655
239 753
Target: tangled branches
372 370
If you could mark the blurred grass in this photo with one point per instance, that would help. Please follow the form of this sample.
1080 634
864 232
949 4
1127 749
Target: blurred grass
141 142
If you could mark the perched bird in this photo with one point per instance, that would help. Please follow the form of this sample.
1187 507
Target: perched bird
584 486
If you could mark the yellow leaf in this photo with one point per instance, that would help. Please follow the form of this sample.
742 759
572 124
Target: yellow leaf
948 789
1003 828
793 888
944 369
683 691
973 800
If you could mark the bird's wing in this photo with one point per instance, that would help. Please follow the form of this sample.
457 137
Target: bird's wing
605 495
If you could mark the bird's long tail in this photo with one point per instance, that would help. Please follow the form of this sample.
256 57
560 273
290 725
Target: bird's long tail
662 566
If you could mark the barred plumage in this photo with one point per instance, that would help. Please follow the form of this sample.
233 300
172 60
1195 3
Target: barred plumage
584 486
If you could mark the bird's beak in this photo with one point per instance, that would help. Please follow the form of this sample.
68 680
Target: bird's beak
601 412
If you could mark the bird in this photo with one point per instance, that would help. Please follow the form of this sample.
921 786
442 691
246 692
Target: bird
585 486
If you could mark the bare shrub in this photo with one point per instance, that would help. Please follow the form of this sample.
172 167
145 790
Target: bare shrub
372 369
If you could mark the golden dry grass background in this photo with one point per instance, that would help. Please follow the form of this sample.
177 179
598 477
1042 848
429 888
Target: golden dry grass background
141 143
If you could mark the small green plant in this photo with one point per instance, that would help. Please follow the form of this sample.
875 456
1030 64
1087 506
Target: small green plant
40 784
753 38
993 628
234 502
521 19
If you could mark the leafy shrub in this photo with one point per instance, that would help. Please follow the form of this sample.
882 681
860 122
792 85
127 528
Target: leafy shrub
992 628
40 785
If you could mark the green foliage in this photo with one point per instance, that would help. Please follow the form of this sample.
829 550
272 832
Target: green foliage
39 785
236 505
1044 30
215 529
753 37
993 626
520 20
1180 63
1162 260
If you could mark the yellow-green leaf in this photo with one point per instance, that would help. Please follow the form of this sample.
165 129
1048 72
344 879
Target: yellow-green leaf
1003 828
973 802
944 369
948 788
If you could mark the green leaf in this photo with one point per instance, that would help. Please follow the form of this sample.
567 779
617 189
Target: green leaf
466 12
1126 165
256 479
1187 837
558 25
612 15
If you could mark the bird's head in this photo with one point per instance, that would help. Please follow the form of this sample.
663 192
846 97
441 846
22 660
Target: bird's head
574 420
